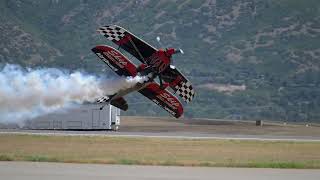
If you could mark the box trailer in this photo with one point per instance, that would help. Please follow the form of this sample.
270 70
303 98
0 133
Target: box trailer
84 117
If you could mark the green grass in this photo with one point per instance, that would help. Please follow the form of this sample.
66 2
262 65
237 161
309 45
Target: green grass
40 158
160 151
279 165
291 165
4 157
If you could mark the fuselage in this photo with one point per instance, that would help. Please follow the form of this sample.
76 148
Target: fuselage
139 85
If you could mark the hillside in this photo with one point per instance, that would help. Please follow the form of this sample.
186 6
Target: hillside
248 59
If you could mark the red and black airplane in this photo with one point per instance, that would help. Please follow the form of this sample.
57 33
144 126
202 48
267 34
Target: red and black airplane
155 63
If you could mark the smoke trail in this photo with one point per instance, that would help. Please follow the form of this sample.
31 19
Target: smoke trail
28 93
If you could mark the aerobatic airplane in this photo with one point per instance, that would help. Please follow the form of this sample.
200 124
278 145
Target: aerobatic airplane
155 63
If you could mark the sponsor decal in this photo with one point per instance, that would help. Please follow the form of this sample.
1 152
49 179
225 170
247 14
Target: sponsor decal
116 58
155 101
164 107
169 100
106 61
170 111
100 55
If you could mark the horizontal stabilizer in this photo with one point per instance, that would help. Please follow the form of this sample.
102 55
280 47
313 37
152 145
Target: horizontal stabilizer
103 99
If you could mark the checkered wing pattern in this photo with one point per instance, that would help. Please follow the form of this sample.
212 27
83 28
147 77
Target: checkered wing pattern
112 33
127 41
103 99
186 91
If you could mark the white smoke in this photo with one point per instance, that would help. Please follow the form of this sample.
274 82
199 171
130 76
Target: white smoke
28 93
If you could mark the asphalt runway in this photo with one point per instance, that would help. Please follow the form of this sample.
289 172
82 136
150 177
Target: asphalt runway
179 135
66 171
193 129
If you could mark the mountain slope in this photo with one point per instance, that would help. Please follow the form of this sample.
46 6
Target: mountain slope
248 59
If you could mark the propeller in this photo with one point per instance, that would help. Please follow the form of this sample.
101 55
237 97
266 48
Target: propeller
181 51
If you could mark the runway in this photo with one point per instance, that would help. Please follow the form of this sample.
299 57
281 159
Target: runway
177 135
193 129
65 171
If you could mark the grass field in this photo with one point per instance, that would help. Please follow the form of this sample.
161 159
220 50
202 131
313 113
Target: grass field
160 151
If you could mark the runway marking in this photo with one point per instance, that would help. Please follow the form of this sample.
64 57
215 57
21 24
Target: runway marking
162 136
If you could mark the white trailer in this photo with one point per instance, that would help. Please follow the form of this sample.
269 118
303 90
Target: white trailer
85 117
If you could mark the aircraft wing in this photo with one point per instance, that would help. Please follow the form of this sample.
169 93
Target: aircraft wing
128 41
163 98
120 103
115 60
179 83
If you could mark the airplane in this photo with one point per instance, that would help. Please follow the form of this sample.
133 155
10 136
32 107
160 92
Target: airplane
155 63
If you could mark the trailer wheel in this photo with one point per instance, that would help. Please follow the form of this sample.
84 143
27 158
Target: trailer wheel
115 127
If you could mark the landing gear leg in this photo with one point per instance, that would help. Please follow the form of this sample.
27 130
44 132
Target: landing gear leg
101 108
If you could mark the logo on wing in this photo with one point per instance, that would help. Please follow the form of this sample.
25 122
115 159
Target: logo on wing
169 100
116 58
106 61
164 107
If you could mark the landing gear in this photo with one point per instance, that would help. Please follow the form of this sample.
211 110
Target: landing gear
101 108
